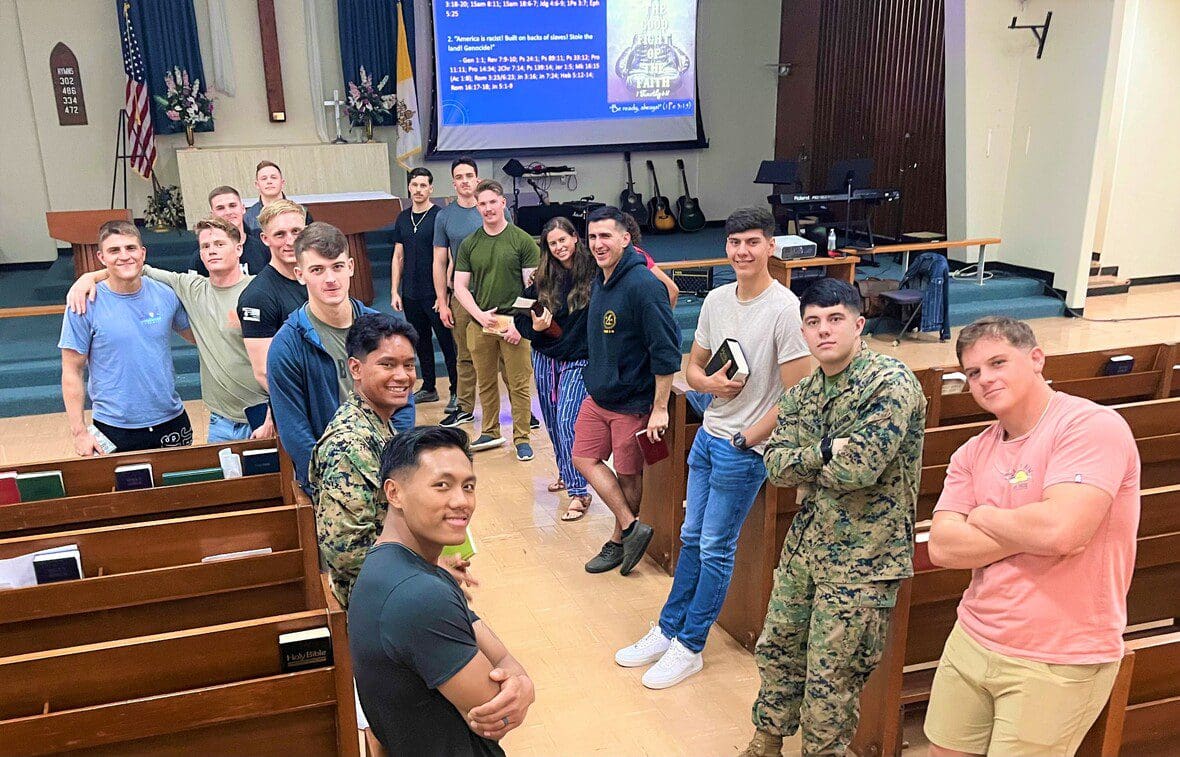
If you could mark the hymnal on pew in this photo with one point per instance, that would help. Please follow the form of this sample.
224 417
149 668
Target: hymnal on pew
729 352
138 476
258 461
17 572
300 650
1119 365
173 478
53 567
45 484
9 493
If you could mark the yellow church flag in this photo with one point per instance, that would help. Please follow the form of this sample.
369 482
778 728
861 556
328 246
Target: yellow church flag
409 133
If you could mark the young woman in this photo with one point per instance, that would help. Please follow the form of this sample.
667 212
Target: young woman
561 285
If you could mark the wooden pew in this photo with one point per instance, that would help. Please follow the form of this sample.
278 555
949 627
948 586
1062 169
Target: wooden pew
1078 373
665 484
148 578
210 690
920 627
91 499
1151 723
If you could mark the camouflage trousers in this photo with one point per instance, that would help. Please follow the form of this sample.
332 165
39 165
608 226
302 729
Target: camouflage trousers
818 645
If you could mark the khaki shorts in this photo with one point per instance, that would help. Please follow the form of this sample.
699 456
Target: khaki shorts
983 702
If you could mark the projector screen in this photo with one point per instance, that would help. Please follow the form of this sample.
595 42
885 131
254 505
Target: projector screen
564 76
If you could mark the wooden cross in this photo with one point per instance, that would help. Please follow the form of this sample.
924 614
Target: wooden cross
335 103
272 66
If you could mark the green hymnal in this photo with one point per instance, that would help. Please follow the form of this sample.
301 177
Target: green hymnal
466 550
45 484
192 476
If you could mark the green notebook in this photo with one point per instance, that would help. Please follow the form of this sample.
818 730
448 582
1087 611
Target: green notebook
466 550
174 478
45 484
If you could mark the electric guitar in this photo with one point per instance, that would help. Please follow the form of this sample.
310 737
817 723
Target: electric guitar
689 215
631 201
658 206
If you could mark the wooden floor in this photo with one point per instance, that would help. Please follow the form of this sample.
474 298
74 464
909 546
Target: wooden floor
564 624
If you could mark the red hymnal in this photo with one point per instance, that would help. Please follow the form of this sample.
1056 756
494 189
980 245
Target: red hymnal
9 494
653 452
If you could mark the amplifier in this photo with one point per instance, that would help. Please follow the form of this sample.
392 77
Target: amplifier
791 247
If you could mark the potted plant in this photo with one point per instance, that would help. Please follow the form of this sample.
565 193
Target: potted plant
367 103
165 208
185 102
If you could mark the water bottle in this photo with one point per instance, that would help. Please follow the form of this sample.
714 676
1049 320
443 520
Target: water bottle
831 240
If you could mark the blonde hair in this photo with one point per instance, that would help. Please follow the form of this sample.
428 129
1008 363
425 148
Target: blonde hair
111 228
1014 332
277 208
213 222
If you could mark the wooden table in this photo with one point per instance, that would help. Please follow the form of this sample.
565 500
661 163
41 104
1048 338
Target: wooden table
843 268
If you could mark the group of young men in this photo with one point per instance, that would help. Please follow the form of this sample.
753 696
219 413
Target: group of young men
1043 506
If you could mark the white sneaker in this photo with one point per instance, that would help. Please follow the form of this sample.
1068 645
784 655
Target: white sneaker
677 664
645 651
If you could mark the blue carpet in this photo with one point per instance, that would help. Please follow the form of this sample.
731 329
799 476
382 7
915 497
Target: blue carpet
30 364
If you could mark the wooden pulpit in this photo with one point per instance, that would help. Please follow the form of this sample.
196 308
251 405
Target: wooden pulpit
80 229
354 218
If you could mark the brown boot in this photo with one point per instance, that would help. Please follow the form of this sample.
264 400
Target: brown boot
763 745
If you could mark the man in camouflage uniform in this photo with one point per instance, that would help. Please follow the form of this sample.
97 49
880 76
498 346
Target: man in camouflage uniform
346 487
849 437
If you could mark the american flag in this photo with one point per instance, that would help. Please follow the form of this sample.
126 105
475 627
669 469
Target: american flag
140 135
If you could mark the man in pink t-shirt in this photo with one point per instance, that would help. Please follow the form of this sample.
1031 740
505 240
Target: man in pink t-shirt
1043 506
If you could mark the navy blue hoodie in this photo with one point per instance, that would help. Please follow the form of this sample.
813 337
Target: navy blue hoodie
304 392
632 337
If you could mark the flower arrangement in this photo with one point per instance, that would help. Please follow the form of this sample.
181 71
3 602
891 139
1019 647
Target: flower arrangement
165 208
368 102
185 102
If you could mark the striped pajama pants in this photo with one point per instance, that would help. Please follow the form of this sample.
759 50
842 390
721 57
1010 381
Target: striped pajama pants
560 391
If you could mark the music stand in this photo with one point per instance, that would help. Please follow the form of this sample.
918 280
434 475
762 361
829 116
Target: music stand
847 176
779 172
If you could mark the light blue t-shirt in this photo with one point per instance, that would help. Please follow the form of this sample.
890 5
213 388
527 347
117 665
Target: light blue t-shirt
132 382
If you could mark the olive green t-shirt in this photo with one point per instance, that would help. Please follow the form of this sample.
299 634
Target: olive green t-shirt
496 264
228 385
334 342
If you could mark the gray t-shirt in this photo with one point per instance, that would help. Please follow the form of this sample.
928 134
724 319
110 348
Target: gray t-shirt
228 385
334 342
769 330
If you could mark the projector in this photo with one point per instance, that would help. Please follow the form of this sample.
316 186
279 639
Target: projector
791 247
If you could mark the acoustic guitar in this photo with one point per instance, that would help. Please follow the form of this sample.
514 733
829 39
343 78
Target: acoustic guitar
689 215
631 201
658 206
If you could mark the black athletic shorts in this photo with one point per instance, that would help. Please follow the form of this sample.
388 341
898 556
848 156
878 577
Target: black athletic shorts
177 432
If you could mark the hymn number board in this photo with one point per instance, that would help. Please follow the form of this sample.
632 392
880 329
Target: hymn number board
67 86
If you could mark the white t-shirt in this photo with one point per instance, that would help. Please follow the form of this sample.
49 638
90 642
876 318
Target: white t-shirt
769 330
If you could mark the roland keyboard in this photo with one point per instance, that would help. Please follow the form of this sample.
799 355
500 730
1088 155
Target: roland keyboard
858 195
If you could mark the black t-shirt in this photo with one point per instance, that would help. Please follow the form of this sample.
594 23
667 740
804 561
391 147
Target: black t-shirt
266 302
255 257
410 631
418 268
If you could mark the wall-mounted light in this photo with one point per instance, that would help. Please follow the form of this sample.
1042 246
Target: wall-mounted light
782 69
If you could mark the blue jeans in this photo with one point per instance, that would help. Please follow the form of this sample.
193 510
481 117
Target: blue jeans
222 429
722 484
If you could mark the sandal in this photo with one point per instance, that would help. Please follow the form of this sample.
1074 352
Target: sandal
577 508
557 486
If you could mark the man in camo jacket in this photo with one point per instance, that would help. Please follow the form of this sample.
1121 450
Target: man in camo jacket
849 437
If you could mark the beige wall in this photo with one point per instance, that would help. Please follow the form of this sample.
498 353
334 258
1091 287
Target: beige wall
1036 180
76 161
1142 222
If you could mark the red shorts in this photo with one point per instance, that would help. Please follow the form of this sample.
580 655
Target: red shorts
600 433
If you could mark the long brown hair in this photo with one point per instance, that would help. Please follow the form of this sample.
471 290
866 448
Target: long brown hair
552 277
